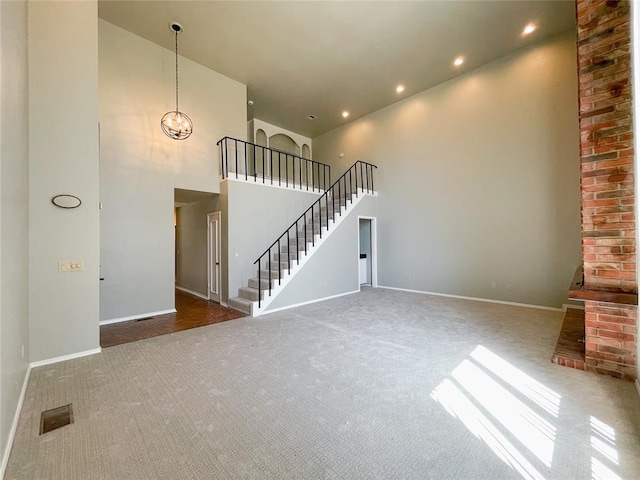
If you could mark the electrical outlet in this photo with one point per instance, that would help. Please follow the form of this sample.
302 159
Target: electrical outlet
22 350
64 266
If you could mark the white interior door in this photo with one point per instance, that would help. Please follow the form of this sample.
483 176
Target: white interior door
213 221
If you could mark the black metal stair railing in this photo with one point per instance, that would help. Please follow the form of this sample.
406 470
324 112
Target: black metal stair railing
302 232
268 165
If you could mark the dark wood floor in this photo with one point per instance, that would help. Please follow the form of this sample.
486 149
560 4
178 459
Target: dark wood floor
570 347
192 312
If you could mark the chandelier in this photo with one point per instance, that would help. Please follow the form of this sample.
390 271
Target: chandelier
175 124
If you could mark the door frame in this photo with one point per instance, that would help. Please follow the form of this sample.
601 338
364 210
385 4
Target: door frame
374 249
210 216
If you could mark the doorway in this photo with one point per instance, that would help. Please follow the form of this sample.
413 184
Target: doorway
213 255
367 248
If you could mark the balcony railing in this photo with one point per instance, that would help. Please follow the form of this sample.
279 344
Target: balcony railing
251 162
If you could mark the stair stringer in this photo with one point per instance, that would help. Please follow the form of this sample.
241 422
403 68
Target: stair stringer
295 269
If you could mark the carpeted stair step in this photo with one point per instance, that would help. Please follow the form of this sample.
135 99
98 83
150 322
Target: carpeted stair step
283 253
264 283
264 274
283 248
250 293
241 304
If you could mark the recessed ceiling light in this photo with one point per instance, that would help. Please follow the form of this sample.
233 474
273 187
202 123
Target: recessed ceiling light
400 88
458 61
529 29
345 114
311 117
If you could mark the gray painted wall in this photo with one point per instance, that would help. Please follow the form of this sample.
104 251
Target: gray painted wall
333 269
14 211
140 166
63 155
192 249
478 179
256 215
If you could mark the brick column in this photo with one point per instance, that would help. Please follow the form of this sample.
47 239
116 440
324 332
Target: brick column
607 183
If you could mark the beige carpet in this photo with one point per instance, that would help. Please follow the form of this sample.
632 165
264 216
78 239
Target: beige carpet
381 384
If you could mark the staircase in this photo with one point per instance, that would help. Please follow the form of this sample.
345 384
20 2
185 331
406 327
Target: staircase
288 254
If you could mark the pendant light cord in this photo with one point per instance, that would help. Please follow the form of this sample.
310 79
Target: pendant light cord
177 109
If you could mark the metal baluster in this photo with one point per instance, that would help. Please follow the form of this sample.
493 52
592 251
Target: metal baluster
263 155
245 161
326 204
372 189
333 201
297 245
259 282
255 154
279 169
279 263
366 170
350 183
305 233
271 165
313 229
286 167
236 149
289 252
269 259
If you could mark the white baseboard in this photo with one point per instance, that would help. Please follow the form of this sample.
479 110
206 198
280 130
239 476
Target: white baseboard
63 358
191 292
137 317
224 304
475 299
14 425
307 302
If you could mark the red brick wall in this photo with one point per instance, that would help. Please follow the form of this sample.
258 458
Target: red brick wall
607 182
610 335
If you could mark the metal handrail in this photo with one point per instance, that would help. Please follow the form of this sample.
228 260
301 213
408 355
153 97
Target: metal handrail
292 170
344 188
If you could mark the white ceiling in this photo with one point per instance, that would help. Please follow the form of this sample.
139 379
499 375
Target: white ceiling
307 57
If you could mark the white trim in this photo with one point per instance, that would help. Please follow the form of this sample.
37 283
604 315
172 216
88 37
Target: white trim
190 292
567 306
476 299
217 217
224 304
308 302
637 383
294 187
137 317
64 358
14 424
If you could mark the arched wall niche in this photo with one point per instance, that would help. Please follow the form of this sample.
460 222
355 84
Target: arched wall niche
284 143
255 125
